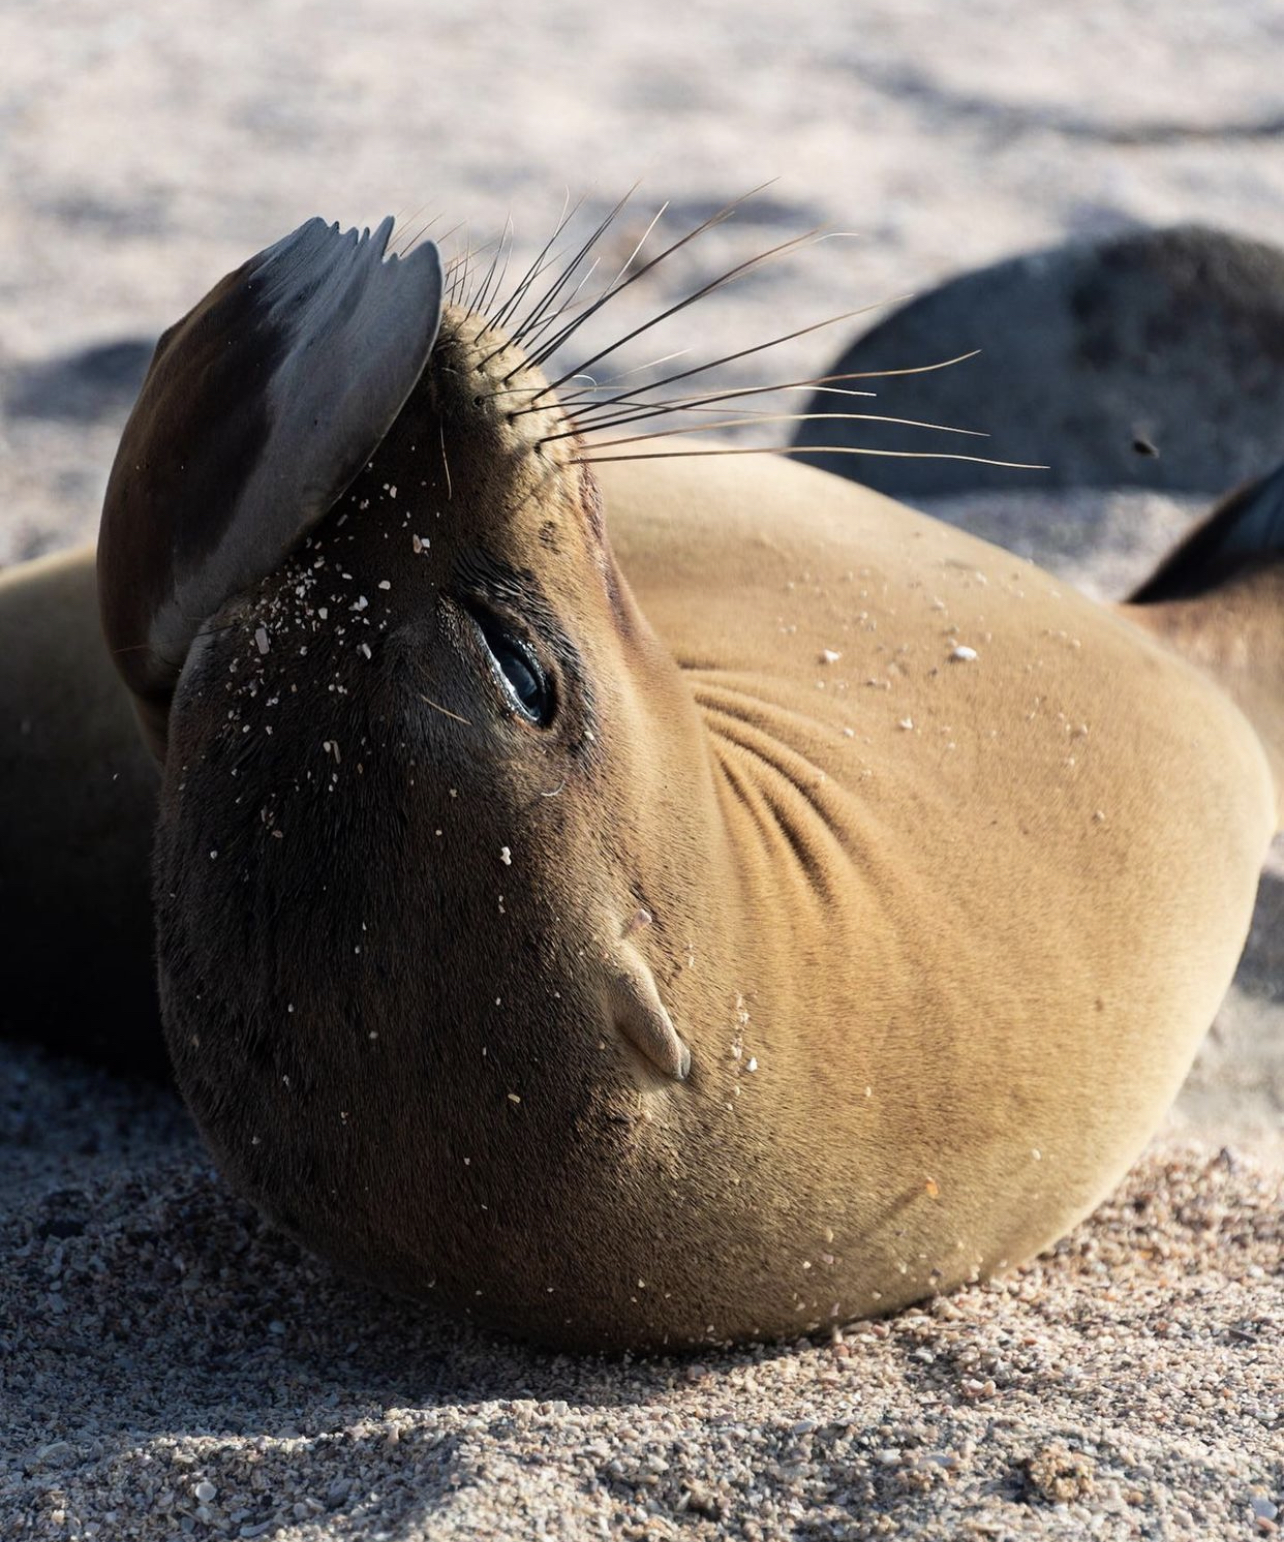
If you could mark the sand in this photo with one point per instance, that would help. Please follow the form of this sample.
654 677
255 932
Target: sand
169 1367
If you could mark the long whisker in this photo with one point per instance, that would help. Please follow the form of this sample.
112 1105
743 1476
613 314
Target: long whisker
718 218
534 315
539 265
530 334
402 247
478 303
610 288
770 417
706 289
798 449
638 369
459 268
629 260
732 358
665 405
492 295
681 405
466 270
599 385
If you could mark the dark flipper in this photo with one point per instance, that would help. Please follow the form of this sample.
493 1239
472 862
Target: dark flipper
259 409
1218 599
1244 531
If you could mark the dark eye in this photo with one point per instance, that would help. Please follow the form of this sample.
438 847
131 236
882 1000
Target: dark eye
524 681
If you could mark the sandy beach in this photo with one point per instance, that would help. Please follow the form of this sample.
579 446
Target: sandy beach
169 1366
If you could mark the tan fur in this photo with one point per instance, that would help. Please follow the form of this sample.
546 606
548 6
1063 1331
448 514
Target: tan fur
976 953
1236 636
940 932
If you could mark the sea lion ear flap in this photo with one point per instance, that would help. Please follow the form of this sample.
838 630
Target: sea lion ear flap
259 409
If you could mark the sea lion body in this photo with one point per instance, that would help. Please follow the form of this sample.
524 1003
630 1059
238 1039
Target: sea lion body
993 902
80 802
773 911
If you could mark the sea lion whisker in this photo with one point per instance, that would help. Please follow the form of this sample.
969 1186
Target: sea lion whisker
537 267
700 403
594 384
629 260
500 318
761 417
912 369
502 279
718 218
445 711
702 398
603 385
705 289
638 369
741 353
479 301
797 449
403 246
615 283
445 462
524 328
530 333
530 328
460 269
710 404
820 382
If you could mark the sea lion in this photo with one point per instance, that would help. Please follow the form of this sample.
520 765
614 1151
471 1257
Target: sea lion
771 913
1147 359
80 802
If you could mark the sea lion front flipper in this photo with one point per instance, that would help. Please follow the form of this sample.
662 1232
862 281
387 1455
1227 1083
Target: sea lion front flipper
258 410
1218 598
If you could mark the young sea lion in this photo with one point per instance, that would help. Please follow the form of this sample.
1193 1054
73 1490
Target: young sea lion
820 915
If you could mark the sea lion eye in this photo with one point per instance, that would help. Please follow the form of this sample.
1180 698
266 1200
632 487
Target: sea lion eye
524 681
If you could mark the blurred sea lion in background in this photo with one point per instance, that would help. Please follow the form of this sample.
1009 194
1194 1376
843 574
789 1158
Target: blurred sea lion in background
649 903
1149 359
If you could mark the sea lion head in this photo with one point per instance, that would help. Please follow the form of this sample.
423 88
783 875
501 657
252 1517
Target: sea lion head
435 800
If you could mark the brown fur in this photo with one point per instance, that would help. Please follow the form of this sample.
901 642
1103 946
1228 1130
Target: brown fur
941 934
